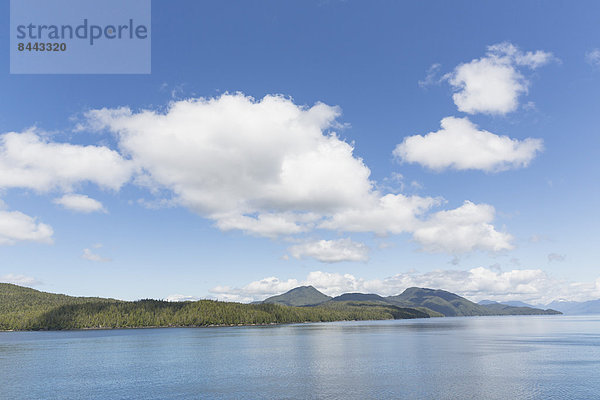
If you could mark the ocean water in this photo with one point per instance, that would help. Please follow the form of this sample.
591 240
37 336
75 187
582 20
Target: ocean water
525 357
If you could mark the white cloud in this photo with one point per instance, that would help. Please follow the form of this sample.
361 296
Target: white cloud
492 84
235 154
181 297
80 203
28 160
16 227
463 229
267 224
530 285
18 279
331 251
267 167
387 214
460 145
593 57
91 256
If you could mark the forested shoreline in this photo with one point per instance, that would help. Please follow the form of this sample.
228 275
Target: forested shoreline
28 309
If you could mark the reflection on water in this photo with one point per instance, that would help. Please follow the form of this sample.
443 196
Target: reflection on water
443 358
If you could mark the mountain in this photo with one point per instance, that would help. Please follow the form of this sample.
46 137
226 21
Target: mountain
503 309
453 305
359 297
299 297
446 303
575 307
516 303
512 303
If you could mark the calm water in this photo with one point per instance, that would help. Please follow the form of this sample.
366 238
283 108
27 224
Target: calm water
549 357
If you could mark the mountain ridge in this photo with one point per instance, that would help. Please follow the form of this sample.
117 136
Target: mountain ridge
434 302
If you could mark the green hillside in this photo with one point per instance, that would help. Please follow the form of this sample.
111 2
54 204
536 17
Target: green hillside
395 311
22 308
300 296
504 308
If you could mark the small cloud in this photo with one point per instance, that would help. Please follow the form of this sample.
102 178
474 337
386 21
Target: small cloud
17 227
91 256
331 251
493 84
461 145
416 185
556 257
181 297
529 106
593 57
20 280
80 203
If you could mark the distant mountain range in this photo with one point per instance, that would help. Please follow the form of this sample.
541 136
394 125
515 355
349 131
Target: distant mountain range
433 302
565 307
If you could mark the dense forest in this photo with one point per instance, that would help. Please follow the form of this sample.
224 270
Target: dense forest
28 309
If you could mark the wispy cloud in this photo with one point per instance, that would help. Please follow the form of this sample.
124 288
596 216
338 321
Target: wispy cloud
91 256
555 257
433 76
21 280
593 57
80 203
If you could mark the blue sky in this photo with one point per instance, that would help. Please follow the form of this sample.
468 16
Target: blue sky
246 193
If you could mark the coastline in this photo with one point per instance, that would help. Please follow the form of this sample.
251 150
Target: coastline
268 324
